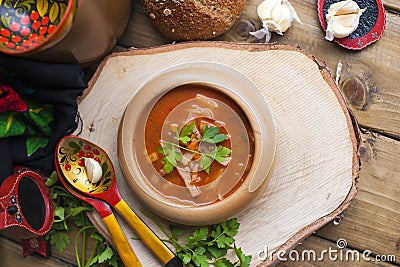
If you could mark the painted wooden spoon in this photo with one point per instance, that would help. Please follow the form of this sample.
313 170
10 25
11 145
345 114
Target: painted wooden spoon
70 154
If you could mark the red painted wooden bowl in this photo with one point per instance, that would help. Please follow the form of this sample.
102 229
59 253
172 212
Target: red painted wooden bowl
27 26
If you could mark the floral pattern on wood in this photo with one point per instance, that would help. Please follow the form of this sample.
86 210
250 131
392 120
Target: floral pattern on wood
71 157
24 24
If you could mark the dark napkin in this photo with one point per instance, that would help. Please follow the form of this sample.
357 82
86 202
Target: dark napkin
28 136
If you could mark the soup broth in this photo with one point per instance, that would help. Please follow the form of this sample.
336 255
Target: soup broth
198 143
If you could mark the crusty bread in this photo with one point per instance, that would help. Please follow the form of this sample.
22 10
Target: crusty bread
193 19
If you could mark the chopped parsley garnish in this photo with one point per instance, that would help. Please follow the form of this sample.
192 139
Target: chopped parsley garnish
173 152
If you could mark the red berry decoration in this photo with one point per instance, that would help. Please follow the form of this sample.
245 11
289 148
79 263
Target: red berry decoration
26 43
16 39
34 15
67 167
80 154
43 30
15 26
33 36
36 25
51 29
96 151
10 45
89 155
87 147
25 31
5 32
25 20
45 20
98 160
81 162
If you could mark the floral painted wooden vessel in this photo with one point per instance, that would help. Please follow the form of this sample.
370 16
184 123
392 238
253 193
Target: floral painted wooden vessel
34 25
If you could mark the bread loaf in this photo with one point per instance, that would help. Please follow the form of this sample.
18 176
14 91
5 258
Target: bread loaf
193 19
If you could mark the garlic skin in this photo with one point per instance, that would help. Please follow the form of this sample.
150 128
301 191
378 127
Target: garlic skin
276 16
342 18
93 170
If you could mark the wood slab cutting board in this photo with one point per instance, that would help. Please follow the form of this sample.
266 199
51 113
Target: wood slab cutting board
316 160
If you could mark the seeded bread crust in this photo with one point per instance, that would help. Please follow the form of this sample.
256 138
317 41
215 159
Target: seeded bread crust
193 19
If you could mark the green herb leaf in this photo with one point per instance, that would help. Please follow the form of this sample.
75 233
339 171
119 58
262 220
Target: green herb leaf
244 261
209 132
219 138
205 163
198 235
222 262
217 252
186 131
176 231
52 179
184 139
187 258
105 255
59 213
168 167
200 260
222 153
60 240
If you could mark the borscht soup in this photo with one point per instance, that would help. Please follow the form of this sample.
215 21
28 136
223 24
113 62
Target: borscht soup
198 145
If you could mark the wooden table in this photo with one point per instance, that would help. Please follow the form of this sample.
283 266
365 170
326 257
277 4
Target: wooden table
372 222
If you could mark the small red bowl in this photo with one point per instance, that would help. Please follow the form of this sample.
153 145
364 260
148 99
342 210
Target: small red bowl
371 27
32 26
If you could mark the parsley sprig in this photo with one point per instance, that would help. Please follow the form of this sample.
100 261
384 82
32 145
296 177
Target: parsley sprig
207 245
172 151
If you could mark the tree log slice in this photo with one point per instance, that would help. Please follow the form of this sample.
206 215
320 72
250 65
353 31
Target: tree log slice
316 162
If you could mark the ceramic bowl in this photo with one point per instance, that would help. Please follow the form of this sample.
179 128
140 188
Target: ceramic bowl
131 144
27 26
62 31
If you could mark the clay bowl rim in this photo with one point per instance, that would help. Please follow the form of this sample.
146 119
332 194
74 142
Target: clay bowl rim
261 121
68 15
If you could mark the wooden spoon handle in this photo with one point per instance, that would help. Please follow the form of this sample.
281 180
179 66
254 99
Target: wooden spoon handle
125 251
148 237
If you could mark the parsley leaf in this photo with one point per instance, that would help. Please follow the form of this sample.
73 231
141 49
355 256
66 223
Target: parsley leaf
209 132
244 261
222 153
205 163
105 255
206 245
60 240
186 132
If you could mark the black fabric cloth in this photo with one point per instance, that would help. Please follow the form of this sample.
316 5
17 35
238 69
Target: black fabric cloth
53 88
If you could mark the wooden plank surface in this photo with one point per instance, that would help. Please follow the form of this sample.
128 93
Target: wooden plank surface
392 5
11 256
373 219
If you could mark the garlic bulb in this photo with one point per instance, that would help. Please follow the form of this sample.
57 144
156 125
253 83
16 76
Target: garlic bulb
342 18
93 170
276 16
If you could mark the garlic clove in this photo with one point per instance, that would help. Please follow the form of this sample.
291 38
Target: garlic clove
343 8
342 19
264 10
93 170
277 15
